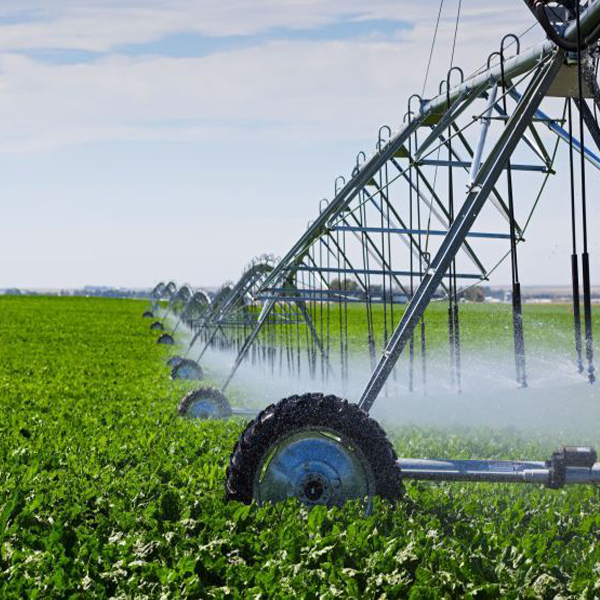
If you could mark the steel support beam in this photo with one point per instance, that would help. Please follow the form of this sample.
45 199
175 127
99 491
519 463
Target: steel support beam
267 308
486 179
492 471
563 134
445 220
463 164
514 67
403 231
590 120
374 272
345 196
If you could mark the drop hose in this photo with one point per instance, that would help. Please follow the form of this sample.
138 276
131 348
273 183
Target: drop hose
538 7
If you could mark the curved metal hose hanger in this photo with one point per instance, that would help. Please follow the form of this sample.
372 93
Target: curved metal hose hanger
356 169
447 80
453 313
338 185
517 308
267 259
409 103
380 141
490 57
409 113
538 7
509 36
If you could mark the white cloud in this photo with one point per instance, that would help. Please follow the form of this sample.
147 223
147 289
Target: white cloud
295 105
279 88
100 26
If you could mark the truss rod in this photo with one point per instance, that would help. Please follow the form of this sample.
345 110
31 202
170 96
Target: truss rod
262 320
446 218
346 195
563 134
589 119
472 234
495 197
463 164
519 64
457 107
476 198
375 272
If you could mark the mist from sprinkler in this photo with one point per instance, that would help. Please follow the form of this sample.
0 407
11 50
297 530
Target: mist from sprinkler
558 402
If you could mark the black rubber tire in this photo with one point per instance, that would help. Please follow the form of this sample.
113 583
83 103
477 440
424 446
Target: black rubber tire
166 339
186 362
148 314
173 360
312 410
222 406
157 326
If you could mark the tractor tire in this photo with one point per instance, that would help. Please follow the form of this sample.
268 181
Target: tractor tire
157 326
187 369
166 339
173 360
324 449
204 403
148 314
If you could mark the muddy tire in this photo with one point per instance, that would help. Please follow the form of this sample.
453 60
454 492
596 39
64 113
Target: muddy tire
319 449
204 403
187 369
173 360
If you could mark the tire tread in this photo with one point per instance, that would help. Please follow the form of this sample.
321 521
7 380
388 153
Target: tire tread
312 409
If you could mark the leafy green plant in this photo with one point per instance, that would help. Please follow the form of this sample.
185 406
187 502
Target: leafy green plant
105 492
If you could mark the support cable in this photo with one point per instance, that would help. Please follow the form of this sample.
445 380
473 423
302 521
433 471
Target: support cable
517 305
452 299
411 348
421 271
433 41
453 304
574 256
368 290
587 295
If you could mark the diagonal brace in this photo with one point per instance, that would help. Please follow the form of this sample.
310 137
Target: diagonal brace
476 198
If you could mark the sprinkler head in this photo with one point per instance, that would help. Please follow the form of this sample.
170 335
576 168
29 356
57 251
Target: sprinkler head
157 326
148 314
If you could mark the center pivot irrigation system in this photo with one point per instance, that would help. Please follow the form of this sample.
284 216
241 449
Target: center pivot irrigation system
401 230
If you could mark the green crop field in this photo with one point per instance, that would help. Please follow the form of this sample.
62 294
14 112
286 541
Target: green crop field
105 492
483 326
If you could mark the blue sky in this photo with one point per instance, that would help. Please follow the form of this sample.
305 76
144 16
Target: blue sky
150 139
195 44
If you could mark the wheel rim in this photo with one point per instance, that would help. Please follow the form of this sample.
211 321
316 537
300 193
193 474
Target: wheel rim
186 372
203 408
316 466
